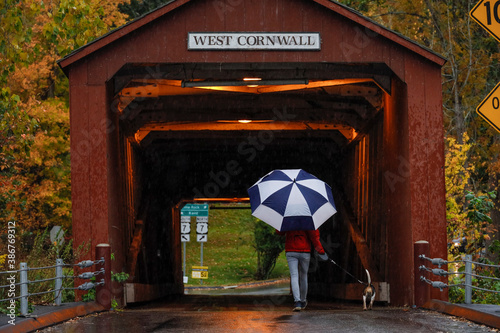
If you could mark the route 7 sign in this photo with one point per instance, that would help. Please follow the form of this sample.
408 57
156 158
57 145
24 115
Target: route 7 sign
487 14
489 108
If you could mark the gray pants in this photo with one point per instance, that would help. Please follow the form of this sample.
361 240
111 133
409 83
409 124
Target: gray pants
298 263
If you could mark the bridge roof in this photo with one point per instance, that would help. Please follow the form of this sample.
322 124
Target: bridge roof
334 6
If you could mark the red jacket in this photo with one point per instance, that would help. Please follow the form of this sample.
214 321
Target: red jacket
301 240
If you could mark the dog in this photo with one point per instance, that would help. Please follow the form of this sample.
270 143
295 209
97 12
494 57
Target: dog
368 293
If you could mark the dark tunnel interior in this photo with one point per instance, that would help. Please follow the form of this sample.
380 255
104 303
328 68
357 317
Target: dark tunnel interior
186 144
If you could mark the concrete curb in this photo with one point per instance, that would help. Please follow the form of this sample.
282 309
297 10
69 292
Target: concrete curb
475 312
23 325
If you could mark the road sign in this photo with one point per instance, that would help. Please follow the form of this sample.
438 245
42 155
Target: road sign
489 108
194 210
199 272
487 14
57 235
185 227
185 238
202 228
201 218
201 238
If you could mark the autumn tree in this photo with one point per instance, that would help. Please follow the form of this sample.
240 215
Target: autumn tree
34 116
137 8
470 72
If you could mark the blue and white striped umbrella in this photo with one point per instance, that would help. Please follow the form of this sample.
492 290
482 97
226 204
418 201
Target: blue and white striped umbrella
291 200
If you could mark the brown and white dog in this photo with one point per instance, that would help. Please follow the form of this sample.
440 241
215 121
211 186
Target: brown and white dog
369 293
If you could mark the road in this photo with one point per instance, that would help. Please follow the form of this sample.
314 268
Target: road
199 313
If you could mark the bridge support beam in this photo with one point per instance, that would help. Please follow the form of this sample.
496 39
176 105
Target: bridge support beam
104 292
422 289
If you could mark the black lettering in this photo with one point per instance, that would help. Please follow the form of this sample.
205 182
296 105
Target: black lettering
282 40
200 40
251 40
495 11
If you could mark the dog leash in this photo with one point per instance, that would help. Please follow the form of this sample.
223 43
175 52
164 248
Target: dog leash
348 273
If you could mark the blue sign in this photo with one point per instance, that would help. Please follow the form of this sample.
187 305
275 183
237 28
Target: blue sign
195 210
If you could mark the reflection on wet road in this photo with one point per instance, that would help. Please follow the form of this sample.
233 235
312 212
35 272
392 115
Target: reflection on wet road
271 313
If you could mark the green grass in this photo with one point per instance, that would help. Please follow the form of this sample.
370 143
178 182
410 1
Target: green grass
229 252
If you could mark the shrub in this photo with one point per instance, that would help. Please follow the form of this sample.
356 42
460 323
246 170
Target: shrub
268 245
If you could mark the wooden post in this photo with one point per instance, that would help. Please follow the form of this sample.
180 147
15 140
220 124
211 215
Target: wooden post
103 292
422 289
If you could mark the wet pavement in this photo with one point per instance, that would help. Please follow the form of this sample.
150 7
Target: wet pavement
248 313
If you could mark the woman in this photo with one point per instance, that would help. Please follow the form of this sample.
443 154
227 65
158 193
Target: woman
298 254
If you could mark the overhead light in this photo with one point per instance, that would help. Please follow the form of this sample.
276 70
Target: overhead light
246 121
252 79
194 84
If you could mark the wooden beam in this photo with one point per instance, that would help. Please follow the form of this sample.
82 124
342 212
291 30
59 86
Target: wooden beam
348 132
364 252
151 73
134 249
357 237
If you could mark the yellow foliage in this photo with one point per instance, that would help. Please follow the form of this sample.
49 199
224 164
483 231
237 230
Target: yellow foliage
457 175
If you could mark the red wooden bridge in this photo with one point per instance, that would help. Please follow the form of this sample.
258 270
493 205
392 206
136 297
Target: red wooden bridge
161 115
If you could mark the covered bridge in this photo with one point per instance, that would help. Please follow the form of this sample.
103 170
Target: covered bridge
161 115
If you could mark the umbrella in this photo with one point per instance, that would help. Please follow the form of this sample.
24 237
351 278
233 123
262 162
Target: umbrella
291 200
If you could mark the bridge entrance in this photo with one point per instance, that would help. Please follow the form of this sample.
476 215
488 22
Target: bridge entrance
157 121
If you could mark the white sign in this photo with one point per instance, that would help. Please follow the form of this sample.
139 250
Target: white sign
201 238
199 272
307 41
185 238
57 235
202 219
185 227
202 228
185 218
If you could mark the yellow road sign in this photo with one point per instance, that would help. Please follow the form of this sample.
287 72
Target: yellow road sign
199 272
489 108
487 14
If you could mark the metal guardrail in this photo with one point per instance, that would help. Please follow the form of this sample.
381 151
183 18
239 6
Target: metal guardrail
468 273
58 281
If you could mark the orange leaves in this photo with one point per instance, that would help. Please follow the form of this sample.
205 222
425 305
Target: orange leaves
34 115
